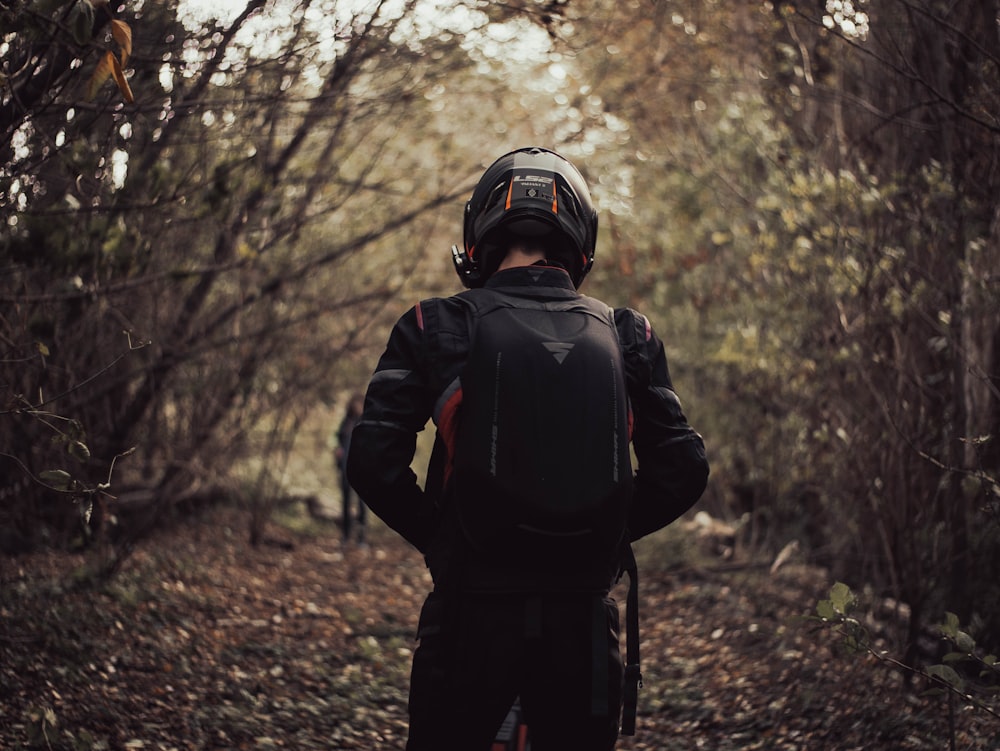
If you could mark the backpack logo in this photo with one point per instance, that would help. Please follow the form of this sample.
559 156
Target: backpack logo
558 350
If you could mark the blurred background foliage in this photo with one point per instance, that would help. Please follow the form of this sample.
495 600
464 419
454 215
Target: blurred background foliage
802 196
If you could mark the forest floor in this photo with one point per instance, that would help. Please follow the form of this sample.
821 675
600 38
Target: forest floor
204 642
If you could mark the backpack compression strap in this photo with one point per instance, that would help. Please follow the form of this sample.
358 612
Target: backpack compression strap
633 674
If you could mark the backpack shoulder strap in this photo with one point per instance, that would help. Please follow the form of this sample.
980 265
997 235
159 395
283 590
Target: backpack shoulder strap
633 335
633 673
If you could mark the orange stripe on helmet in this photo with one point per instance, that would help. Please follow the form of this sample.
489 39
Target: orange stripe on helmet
510 190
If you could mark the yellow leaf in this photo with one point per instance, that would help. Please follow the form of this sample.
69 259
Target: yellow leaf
122 34
116 70
109 67
101 74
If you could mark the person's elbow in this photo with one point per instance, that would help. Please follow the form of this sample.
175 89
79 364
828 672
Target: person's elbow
363 468
696 477
663 493
366 476
378 465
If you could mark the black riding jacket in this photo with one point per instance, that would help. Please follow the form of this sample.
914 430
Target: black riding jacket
416 381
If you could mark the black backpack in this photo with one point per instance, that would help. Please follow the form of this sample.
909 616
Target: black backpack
542 472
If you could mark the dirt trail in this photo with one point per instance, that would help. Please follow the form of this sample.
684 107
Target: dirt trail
206 643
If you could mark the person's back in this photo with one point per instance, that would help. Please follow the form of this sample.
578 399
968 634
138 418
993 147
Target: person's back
529 503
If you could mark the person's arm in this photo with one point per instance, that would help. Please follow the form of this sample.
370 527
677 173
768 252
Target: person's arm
672 467
397 406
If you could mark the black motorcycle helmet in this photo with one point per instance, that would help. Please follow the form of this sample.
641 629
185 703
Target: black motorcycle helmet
534 194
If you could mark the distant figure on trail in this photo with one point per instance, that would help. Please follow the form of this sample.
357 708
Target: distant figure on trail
349 498
530 504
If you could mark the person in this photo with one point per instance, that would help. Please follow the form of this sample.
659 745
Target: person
349 499
493 631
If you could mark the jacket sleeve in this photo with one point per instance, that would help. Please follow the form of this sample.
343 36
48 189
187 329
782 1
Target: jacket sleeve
398 404
672 469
